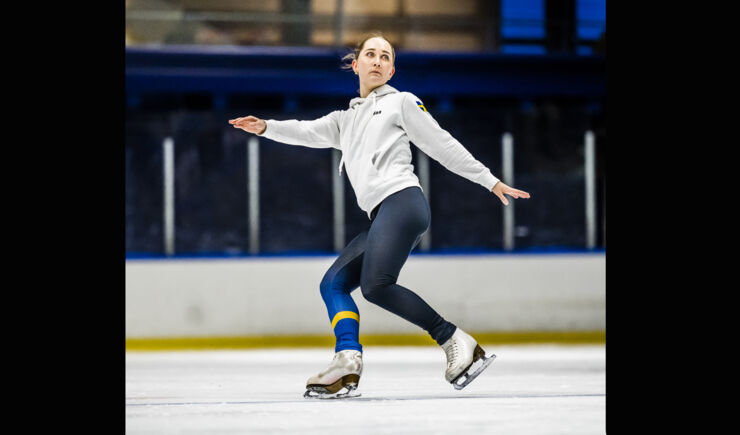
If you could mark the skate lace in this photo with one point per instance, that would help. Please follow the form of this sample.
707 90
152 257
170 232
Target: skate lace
451 353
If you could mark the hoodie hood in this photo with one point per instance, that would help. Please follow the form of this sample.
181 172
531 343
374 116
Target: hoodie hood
377 92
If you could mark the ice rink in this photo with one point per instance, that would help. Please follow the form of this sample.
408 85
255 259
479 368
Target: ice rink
529 389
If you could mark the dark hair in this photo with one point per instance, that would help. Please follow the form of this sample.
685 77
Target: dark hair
355 53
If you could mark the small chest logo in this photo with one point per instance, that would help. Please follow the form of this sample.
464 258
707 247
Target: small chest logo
377 112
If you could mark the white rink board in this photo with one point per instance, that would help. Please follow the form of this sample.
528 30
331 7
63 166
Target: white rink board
527 390
273 296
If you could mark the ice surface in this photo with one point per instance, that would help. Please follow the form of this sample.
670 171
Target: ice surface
527 390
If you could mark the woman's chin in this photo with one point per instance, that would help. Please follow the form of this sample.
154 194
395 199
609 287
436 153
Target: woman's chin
375 81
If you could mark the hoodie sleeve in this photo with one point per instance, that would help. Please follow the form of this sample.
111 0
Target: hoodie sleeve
438 144
318 133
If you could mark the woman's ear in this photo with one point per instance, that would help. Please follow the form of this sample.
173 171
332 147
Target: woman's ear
354 66
393 71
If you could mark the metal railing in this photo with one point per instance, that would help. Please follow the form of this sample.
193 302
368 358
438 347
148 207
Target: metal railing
338 200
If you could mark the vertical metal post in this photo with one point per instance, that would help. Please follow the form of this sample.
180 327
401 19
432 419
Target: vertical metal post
337 189
168 150
423 163
253 160
590 172
507 158
338 23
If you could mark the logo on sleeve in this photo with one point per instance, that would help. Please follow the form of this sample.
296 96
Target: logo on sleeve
421 106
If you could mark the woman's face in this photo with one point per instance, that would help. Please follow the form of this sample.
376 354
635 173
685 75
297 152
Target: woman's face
374 65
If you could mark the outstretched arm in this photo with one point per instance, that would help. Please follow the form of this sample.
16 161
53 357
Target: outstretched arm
439 144
318 133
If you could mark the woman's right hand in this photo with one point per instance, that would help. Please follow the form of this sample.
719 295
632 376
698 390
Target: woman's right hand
250 123
499 189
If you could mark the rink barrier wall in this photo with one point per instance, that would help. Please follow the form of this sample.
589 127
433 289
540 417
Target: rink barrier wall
323 341
268 302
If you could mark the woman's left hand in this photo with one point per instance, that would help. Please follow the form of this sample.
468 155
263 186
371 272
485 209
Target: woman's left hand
501 189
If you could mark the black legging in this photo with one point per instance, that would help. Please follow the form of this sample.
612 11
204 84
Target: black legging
372 261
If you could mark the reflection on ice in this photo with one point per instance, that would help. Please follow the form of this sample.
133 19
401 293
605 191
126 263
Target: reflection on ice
526 390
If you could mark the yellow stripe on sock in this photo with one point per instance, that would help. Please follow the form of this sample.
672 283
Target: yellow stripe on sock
344 315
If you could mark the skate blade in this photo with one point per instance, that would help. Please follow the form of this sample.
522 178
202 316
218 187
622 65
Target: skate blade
344 381
347 392
342 388
468 377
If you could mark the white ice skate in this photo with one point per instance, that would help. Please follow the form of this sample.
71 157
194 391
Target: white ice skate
462 352
339 380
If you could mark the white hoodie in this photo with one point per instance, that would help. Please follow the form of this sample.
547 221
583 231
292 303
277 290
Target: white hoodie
373 135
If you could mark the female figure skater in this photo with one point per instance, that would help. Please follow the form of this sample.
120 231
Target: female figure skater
373 135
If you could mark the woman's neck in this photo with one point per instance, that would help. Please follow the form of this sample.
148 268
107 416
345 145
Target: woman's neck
364 92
